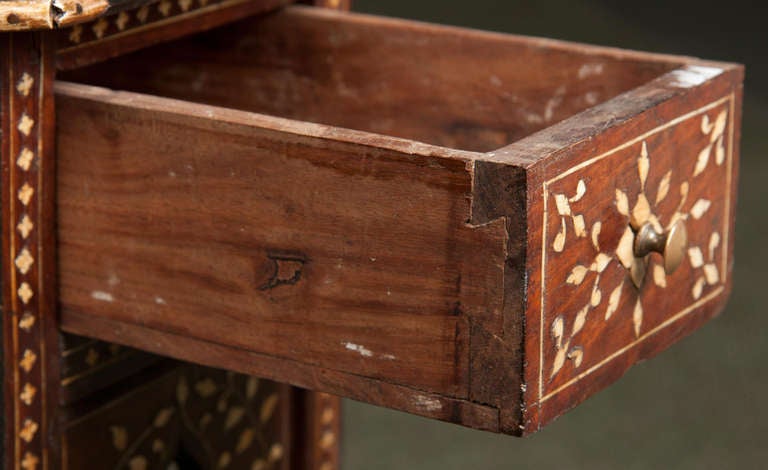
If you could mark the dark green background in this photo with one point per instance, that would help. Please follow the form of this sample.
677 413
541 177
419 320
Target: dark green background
701 404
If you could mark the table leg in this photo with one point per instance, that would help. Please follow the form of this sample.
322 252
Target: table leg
30 334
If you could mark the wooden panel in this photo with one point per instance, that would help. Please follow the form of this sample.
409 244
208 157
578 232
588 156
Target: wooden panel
673 158
271 241
480 92
30 347
148 24
420 402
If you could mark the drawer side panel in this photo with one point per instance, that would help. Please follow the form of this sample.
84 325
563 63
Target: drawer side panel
349 257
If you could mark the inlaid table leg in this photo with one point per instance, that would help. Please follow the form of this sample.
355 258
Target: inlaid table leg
30 346
318 430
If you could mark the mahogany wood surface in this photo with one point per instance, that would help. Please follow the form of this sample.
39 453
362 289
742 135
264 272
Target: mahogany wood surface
396 263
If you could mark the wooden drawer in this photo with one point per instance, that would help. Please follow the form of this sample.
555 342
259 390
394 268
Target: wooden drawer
466 253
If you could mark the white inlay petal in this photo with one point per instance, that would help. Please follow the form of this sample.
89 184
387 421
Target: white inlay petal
24 261
25 159
25 84
25 124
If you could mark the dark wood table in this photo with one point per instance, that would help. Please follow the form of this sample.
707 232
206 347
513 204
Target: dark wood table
478 228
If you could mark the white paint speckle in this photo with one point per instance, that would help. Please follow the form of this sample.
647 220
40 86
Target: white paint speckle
113 280
172 174
693 75
591 98
427 403
389 357
589 70
553 103
103 296
495 81
533 118
362 350
159 301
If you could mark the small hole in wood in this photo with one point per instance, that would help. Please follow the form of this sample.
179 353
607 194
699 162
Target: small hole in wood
78 8
13 18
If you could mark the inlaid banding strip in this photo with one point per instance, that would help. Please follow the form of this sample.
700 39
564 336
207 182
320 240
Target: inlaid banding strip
27 59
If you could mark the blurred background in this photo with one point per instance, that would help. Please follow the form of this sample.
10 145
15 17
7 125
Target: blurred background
701 404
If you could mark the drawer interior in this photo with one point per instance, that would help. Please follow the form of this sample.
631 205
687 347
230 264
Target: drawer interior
445 86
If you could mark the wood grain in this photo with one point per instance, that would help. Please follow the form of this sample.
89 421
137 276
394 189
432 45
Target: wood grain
249 227
30 336
148 24
481 92
384 291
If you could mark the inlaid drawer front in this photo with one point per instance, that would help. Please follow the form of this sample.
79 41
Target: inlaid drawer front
600 299
488 247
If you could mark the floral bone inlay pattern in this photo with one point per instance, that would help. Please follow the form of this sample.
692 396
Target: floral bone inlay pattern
595 301
233 418
159 12
27 135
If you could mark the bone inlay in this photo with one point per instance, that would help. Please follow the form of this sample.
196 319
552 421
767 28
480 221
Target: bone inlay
25 124
25 193
24 261
599 282
25 292
25 84
25 159
27 395
25 226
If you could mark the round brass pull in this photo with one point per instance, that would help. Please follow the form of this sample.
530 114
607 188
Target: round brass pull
671 245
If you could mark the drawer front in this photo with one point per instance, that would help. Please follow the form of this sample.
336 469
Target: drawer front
605 304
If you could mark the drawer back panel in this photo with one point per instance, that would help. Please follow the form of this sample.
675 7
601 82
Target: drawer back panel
446 86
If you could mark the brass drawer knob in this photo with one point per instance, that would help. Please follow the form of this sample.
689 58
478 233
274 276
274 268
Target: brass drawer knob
671 245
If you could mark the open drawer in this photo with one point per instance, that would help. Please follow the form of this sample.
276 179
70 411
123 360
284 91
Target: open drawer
479 228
